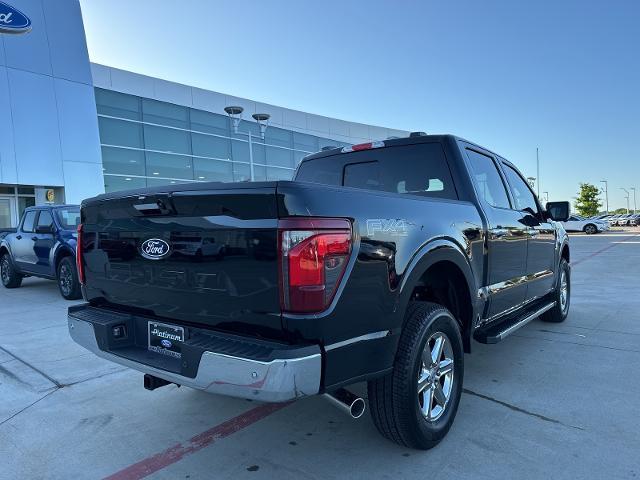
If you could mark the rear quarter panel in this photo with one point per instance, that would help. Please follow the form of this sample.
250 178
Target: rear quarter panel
390 231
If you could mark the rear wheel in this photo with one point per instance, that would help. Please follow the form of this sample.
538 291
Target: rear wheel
416 403
560 310
590 229
68 279
10 277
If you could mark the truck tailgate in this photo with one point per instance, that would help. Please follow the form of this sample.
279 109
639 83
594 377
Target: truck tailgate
203 257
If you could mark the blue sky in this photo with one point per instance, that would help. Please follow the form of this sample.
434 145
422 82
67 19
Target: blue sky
509 75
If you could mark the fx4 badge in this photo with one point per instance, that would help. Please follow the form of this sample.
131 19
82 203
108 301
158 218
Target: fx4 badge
394 227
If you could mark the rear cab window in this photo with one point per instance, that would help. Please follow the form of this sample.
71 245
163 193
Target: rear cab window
419 169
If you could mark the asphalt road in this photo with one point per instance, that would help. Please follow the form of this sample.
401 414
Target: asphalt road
551 401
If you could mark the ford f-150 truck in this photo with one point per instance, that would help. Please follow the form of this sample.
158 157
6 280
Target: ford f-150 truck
380 262
43 245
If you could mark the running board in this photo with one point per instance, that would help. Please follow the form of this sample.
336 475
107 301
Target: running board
497 333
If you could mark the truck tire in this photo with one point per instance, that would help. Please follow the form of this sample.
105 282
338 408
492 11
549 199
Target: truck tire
562 296
416 403
10 277
590 229
67 278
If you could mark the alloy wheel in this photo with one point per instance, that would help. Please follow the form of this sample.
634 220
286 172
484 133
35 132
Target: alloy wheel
564 291
4 270
66 280
436 375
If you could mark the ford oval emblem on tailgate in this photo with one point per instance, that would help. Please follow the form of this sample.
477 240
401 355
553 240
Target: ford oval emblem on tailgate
155 249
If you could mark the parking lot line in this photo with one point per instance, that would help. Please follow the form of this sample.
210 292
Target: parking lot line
177 452
602 250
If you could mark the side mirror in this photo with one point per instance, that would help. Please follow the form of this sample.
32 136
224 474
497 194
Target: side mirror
44 229
558 211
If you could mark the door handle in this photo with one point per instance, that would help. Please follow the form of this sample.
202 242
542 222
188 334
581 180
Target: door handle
34 238
19 237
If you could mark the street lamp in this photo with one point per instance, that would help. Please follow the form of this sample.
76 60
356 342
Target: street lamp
606 193
627 197
634 198
235 114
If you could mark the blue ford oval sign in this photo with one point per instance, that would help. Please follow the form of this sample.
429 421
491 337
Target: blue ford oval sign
154 249
13 20
166 343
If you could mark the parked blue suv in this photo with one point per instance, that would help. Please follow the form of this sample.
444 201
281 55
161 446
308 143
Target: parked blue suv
43 245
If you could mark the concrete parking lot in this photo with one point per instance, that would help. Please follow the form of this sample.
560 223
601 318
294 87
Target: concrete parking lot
551 401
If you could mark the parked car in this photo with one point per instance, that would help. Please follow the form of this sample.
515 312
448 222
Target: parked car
43 245
576 223
613 220
634 220
627 220
386 260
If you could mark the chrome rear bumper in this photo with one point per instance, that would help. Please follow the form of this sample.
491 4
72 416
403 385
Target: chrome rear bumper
278 380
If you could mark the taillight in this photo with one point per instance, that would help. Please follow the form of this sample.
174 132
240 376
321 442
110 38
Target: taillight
314 253
79 264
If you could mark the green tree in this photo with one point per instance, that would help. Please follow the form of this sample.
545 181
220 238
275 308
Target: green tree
588 204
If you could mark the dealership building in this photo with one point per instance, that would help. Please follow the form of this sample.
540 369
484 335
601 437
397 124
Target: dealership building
71 129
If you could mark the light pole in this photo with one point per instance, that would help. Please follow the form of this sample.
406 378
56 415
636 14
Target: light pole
538 170
235 114
627 197
634 199
606 193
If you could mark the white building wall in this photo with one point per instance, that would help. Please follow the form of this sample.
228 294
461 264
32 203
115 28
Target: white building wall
48 120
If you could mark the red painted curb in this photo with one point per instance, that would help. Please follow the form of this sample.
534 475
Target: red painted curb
177 452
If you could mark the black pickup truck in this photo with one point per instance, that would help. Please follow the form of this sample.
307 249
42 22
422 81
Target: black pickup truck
380 262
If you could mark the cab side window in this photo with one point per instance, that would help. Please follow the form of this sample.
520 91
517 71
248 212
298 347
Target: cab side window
45 219
487 179
522 194
29 221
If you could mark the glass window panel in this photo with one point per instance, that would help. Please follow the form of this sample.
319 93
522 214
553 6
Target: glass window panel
120 132
25 202
298 156
209 146
279 157
259 153
158 182
488 181
239 151
123 161
170 166
302 141
209 122
521 191
279 173
5 213
246 126
242 172
259 173
278 136
7 190
29 220
325 142
26 191
167 139
45 219
212 170
118 104
164 113
114 183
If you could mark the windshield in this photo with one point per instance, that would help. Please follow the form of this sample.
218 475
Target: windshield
69 218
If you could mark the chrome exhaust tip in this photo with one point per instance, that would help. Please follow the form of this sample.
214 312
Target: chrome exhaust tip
348 402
